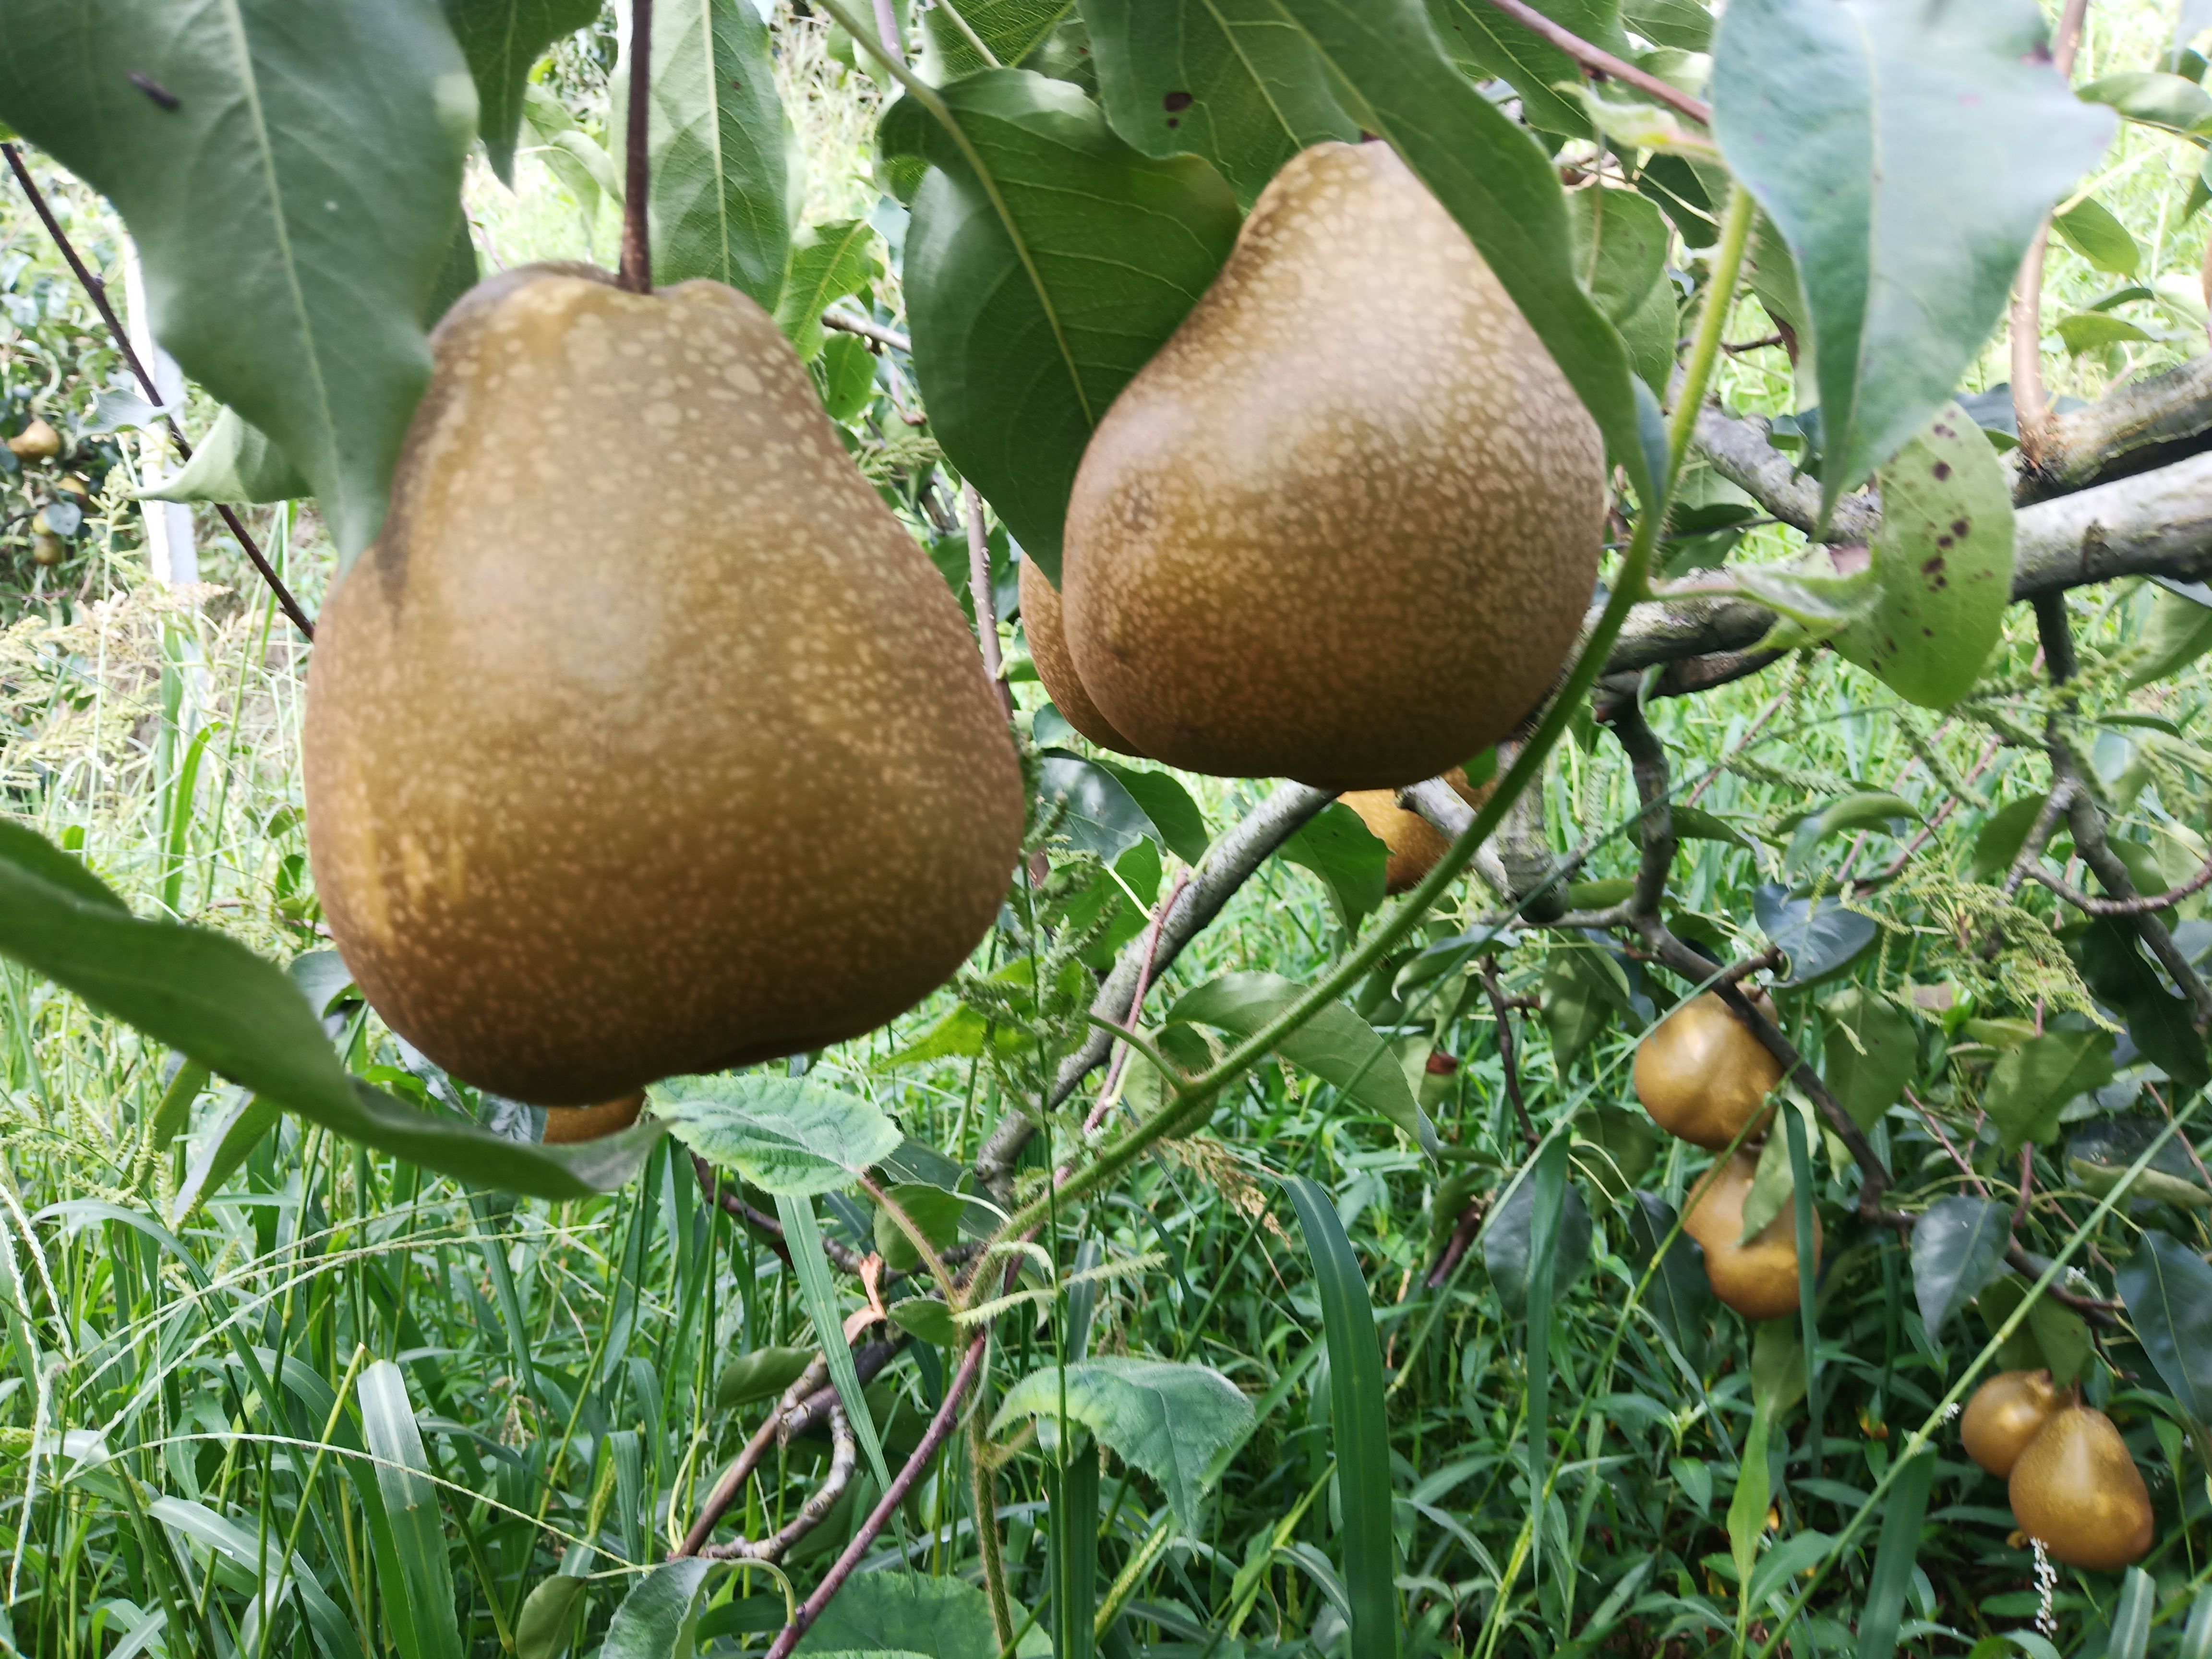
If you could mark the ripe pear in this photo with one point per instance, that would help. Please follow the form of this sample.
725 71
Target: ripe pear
2005 1413
1415 844
603 788
1759 1279
565 1126
37 441
1702 1074
1043 622
2077 1490
47 548
1344 526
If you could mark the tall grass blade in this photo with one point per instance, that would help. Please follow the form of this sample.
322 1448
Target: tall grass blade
1357 1418
803 1235
420 1608
1801 1198
1549 1176
1893 1559
2131 1615
1073 1485
2197 1636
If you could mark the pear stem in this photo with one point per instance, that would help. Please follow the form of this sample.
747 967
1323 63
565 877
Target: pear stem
636 272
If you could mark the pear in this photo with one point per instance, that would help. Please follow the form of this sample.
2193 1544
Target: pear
1043 623
47 548
2076 1489
37 441
1414 843
565 1126
1701 1073
2006 1414
604 786
1759 1279
1344 526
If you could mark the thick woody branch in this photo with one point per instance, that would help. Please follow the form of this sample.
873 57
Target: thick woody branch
2138 428
843 1454
1441 804
1227 866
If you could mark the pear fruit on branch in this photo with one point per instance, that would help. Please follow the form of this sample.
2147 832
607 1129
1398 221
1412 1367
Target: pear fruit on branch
2077 1491
604 786
1344 526
1414 843
2006 1414
1044 625
1757 1276
1703 1076
568 1126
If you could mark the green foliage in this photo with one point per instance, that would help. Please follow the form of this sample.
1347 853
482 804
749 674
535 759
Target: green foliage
1168 1420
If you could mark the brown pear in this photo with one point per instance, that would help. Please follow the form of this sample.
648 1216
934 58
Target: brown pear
1758 1278
604 786
37 441
1344 526
2005 1413
1703 1076
2076 1489
565 1126
1415 844
1043 623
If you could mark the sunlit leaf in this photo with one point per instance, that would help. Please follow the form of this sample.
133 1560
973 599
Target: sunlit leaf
1166 1419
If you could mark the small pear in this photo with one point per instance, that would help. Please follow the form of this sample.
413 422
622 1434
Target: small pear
565 1126
47 548
603 788
2077 1490
1702 1074
37 441
1415 844
1043 623
1344 526
69 484
2005 1413
1759 1279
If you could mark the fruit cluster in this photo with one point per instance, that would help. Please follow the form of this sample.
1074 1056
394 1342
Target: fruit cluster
2073 1488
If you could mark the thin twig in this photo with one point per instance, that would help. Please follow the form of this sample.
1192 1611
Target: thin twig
2142 904
844 1453
1122 1051
96 291
979 588
1496 992
1596 58
867 330
636 272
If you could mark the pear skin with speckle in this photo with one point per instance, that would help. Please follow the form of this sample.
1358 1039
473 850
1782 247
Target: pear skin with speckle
1414 844
2076 1489
605 786
1044 627
1344 526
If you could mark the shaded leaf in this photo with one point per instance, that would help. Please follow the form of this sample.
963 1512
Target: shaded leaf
2029 1087
1957 1249
785 1135
2002 836
1350 859
933 1209
1020 34
502 41
1492 44
2114 967
2178 632
1102 816
1818 936
1508 1239
1682 1297
425 1592
2168 1291
761 1374
1868 1076
235 462
548 1617
1181 826
1853 122
2100 1153
2093 330
1620 250
300 301
1166 1419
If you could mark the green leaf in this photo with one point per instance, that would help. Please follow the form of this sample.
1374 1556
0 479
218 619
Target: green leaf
819 1298
31 852
1773 1183
1016 30
2028 1087
1071 1493
1943 558
2178 632
301 302
761 1374
410 1508
1818 936
828 262
926 1318
2168 1291
1508 1242
1166 1419
1102 816
2093 330
2113 965
1360 1429
2089 228
1227 80
1680 1297
1865 809
548 1617
1684 25
240 1016
1852 122
2002 836
1494 178
933 1209
848 371
785 1135
1336 1044
656 1619
1173 813
941 1616
1957 1249
1896 1557
1871 1052
581 164
2154 98
1038 288
2064 1337
1351 860
1575 999
1491 43
1620 249
715 148
2102 1152
235 462
503 40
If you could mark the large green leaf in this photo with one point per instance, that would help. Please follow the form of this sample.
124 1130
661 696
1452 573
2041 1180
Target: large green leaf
1336 1044
2168 1290
1359 1426
2029 1087
1942 559
1871 1052
1492 44
786 1135
1957 1249
1351 860
212 998
503 39
1853 122
715 147
1620 250
938 1615
1510 1237
292 192
1168 1419
1229 80
1039 286
1044 35
1492 177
